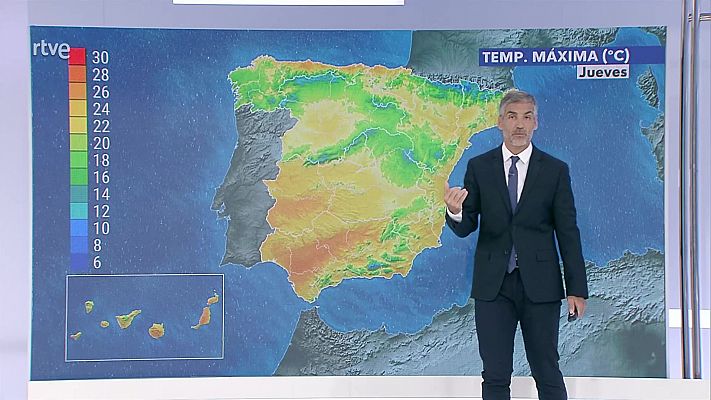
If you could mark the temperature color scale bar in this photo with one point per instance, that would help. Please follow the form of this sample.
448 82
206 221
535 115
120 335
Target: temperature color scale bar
78 162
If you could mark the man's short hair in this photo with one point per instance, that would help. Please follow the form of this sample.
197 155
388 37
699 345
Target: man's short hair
517 96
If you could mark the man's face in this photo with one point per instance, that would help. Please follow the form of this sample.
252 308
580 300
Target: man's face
517 125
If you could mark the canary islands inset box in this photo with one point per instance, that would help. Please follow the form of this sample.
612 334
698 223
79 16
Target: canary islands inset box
144 317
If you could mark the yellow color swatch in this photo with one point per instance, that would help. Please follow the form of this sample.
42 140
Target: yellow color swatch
77 108
77 124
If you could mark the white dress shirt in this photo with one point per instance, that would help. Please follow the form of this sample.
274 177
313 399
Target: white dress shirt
521 166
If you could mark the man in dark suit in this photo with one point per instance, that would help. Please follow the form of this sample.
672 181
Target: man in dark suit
521 200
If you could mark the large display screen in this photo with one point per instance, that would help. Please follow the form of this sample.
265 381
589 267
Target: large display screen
267 202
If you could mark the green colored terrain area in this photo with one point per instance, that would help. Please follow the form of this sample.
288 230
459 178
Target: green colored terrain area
407 152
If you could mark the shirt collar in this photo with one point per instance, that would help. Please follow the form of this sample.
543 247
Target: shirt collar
523 156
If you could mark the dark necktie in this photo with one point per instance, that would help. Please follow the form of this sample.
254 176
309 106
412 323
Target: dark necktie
513 196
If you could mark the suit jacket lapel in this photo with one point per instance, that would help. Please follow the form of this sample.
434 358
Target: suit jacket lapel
497 164
534 167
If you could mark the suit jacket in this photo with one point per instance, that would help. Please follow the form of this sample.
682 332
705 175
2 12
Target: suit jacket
545 208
